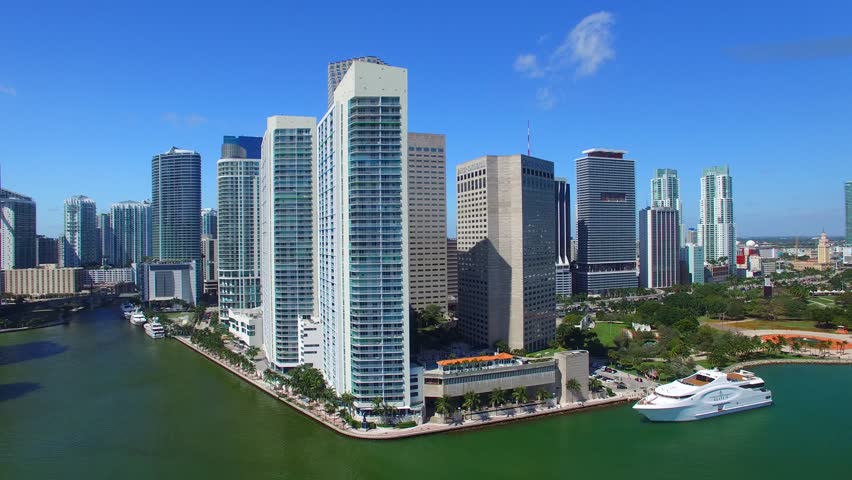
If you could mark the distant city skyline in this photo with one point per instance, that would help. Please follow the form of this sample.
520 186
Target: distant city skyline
721 104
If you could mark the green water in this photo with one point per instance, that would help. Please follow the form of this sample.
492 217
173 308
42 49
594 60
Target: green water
99 399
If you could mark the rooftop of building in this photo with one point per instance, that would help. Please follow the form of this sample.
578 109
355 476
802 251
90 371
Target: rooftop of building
604 153
179 151
10 195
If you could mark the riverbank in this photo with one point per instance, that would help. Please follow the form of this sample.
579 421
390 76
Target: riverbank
785 361
338 426
34 327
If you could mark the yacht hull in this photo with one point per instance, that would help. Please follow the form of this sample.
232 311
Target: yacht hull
698 412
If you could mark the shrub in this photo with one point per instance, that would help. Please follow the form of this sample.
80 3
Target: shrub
407 424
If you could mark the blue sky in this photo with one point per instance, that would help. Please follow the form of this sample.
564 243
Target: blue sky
88 93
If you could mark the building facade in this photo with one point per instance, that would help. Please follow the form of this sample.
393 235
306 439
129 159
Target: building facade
563 237
336 71
167 281
237 178
692 264
849 213
209 219
46 280
47 250
286 234
17 231
823 250
209 265
427 220
81 232
175 207
716 229
108 276
606 222
452 275
362 212
659 247
665 192
507 246
131 232
105 238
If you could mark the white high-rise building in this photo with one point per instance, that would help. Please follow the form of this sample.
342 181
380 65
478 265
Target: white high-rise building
665 193
362 214
716 229
131 231
659 247
287 226
336 71
81 232
17 231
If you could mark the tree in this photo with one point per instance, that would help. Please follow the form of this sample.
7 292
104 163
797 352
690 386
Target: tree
471 401
520 395
444 405
542 395
501 346
430 316
573 386
252 352
496 398
378 405
348 401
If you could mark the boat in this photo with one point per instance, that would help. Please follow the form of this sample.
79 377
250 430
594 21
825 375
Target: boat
155 329
127 309
705 394
138 318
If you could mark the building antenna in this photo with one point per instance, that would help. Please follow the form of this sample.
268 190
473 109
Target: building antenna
528 138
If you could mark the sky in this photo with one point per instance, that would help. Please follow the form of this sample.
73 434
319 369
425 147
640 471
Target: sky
89 91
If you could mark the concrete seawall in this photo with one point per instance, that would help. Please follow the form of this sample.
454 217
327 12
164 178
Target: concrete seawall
786 361
424 429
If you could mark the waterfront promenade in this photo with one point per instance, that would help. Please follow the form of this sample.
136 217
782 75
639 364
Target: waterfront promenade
335 423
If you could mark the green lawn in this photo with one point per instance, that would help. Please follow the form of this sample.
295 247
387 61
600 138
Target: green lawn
548 352
608 331
804 325
822 301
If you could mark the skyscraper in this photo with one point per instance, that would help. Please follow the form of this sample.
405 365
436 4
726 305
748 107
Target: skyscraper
427 221
716 218
336 71
665 192
692 264
452 275
606 222
286 235
691 236
563 237
362 193
848 214
131 231
17 231
823 250
209 218
659 245
47 250
175 207
507 247
239 224
105 238
209 265
81 232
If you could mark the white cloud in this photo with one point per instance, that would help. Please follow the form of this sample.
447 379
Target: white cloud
191 120
588 45
545 98
583 51
8 91
528 65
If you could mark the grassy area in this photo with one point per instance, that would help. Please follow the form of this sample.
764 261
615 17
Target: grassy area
608 331
827 301
548 352
804 325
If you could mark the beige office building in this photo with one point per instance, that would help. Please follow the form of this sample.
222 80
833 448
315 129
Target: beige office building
427 220
823 250
506 246
45 280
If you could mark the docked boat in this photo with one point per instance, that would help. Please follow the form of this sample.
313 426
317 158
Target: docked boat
127 309
138 318
155 329
705 394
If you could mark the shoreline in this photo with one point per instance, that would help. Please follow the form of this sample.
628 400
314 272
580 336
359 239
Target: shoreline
420 430
788 361
24 329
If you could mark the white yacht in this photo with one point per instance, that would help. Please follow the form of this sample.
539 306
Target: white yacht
155 329
138 318
127 309
705 394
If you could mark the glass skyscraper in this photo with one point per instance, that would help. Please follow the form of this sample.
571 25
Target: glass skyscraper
175 207
18 244
131 232
848 213
81 232
659 247
209 223
665 192
105 238
363 236
716 230
239 224
287 229
606 222
563 237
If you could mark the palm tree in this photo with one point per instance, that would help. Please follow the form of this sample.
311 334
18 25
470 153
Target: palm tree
496 398
781 340
573 386
348 400
796 346
471 401
843 347
444 405
542 395
520 395
252 352
378 404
